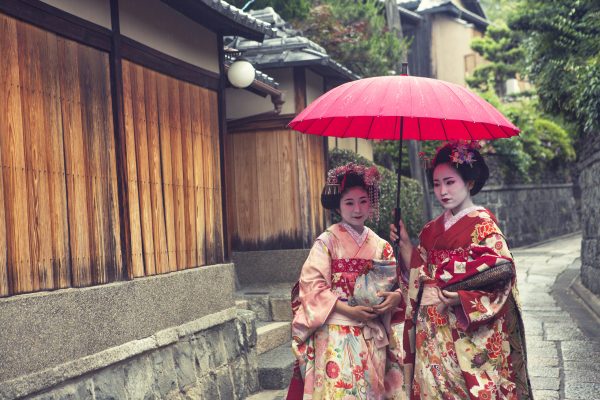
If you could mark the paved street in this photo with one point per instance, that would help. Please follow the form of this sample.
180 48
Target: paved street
563 340
563 335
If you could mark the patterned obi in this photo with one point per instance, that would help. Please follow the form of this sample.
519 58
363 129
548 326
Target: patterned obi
443 262
344 272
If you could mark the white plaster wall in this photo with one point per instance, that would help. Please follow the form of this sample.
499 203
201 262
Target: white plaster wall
242 103
314 86
285 78
96 11
365 148
362 147
450 43
158 26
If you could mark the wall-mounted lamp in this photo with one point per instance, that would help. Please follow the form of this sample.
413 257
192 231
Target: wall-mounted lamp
241 73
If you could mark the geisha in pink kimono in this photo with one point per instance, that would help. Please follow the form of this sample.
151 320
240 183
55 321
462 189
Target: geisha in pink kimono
346 351
465 344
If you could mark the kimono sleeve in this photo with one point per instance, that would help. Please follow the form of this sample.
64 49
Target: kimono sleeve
316 298
478 307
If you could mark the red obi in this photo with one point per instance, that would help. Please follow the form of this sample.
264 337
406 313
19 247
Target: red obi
344 272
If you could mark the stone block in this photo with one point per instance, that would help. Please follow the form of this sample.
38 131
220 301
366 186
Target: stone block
109 384
245 330
184 359
225 383
281 309
233 347
163 372
80 390
215 347
261 305
208 386
272 335
138 378
578 390
546 395
542 383
276 367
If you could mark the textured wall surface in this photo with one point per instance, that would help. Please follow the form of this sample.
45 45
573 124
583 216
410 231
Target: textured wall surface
530 213
589 182
210 358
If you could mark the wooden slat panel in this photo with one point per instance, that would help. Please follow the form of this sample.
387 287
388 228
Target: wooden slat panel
156 196
207 158
61 258
18 272
31 41
138 97
134 210
247 187
188 176
167 174
75 165
198 139
177 170
289 183
267 186
216 167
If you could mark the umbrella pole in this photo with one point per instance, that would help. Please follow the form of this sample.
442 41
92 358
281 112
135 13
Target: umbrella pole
397 212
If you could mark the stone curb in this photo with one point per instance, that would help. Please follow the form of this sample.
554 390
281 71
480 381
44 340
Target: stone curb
39 381
585 295
546 241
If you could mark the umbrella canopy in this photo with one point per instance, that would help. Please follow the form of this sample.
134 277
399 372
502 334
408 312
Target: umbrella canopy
403 107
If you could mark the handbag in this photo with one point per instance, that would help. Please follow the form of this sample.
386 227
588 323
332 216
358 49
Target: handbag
489 279
379 276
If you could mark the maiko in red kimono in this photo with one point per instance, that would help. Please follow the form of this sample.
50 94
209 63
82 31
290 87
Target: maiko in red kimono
476 349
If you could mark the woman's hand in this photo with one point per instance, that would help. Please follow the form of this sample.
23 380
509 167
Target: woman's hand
359 313
448 299
404 238
390 303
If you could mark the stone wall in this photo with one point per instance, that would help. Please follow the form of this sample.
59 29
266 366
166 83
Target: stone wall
211 358
589 182
170 336
529 213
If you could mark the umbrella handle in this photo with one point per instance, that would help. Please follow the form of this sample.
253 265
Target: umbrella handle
397 217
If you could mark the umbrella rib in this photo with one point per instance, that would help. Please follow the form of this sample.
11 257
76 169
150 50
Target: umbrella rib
444 129
325 127
370 126
467 129
459 99
488 130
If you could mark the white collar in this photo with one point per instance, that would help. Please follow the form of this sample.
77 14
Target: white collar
450 219
359 238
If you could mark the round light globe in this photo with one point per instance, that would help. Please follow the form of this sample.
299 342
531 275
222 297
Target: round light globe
241 74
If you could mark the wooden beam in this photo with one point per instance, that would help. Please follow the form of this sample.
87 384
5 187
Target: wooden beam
148 57
57 21
299 89
222 147
116 87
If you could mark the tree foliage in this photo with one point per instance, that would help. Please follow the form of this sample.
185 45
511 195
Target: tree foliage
354 33
563 56
502 48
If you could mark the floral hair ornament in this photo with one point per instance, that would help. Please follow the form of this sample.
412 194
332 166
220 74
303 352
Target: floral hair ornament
336 181
462 152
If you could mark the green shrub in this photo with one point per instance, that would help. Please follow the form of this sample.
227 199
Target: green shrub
411 197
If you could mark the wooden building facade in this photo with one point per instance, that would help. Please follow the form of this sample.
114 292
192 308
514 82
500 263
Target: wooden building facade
110 140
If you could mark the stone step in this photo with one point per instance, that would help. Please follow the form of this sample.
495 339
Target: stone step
270 302
275 367
271 335
268 395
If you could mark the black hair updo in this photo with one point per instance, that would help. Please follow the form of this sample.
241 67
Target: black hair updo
476 170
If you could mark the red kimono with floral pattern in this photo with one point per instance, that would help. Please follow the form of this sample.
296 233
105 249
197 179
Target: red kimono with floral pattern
476 349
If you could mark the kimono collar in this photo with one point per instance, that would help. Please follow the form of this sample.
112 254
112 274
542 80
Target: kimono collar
359 238
450 219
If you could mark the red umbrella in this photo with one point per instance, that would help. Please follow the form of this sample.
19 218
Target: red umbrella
403 107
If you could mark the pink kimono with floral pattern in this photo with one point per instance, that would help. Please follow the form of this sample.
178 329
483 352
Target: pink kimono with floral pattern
475 350
337 357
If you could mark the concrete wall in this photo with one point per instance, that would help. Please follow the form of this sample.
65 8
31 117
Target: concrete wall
589 182
285 78
96 11
243 103
529 213
66 331
157 25
450 44
314 86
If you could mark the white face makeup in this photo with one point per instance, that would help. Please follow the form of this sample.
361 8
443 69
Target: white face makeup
355 207
450 189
